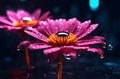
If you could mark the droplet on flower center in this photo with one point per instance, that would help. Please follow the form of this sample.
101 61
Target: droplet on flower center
62 34
26 19
62 39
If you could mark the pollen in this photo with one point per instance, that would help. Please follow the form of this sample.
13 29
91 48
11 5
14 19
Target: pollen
62 39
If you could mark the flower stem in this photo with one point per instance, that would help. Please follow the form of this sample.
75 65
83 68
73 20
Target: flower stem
59 72
27 60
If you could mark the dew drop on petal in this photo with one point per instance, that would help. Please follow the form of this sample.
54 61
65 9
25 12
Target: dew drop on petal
101 57
68 57
104 46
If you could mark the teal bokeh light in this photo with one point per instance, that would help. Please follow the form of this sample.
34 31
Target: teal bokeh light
93 4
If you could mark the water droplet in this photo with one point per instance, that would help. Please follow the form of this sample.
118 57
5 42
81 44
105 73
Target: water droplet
26 19
79 55
18 49
68 57
110 47
101 57
104 46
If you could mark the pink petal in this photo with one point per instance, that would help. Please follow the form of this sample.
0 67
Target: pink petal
92 40
82 27
35 33
37 46
5 20
36 14
90 43
73 25
51 50
22 13
81 47
12 15
96 50
88 31
53 56
69 52
23 43
45 28
45 16
10 28
2 26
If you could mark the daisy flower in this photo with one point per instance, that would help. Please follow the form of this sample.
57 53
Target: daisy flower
20 19
65 37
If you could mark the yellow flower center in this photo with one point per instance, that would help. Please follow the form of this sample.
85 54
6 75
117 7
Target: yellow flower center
62 39
26 21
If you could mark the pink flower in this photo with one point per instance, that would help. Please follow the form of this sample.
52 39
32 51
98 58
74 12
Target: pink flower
21 19
64 36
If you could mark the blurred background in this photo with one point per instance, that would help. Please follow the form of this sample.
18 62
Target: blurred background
86 66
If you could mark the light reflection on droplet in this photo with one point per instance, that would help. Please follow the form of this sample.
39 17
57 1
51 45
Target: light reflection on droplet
110 47
68 57
18 49
101 57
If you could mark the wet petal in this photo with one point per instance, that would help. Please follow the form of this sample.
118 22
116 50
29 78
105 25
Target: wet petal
81 47
34 32
96 50
23 43
69 52
37 46
92 40
51 50
45 28
73 25
88 30
12 15
53 56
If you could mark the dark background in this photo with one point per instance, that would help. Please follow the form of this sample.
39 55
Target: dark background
86 66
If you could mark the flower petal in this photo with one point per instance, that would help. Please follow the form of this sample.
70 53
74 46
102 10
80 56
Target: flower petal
5 20
73 25
91 49
34 32
36 14
53 56
37 46
45 28
44 16
22 13
12 15
69 52
51 50
96 50
88 30
10 28
92 40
